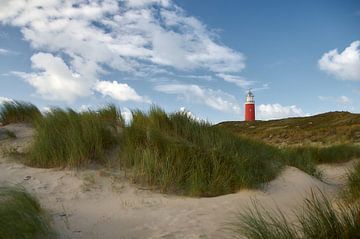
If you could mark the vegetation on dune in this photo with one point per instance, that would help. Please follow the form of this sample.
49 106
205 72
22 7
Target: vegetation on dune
301 158
306 141
69 138
17 111
322 130
306 158
335 153
318 219
175 153
21 215
179 154
352 191
170 152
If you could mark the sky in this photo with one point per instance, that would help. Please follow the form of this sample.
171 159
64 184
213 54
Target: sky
299 57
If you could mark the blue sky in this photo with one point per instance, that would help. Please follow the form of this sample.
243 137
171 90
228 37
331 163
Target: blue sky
299 57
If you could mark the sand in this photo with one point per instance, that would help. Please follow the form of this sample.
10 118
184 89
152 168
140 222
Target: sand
104 204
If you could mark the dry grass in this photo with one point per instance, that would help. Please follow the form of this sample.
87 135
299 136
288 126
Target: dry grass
319 130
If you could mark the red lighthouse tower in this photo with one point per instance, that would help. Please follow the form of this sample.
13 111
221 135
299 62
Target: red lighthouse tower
250 107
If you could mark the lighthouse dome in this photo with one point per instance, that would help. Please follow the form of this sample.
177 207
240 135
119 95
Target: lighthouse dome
250 97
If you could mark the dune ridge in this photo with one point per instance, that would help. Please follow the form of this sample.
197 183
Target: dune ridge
105 204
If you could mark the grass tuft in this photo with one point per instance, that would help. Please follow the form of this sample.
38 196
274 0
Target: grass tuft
176 153
18 112
303 159
258 222
337 153
306 158
21 215
318 219
68 138
352 191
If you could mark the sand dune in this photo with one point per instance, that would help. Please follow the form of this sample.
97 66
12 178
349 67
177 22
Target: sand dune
104 204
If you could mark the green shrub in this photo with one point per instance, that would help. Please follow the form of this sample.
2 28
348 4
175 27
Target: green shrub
17 111
318 219
176 153
21 215
69 138
258 222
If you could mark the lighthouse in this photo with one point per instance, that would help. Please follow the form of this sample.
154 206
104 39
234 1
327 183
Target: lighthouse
250 107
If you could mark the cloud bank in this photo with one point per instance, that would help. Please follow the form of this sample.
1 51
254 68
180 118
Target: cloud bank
79 41
118 91
343 100
237 80
54 80
218 100
4 99
277 111
344 65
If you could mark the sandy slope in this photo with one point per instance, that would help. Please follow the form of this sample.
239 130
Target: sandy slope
102 204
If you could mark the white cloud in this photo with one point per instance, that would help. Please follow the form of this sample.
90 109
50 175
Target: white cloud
237 80
343 100
127 115
324 98
213 98
84 108
54 80
263 87
46 109
189 114
4 51
118 91
344 65
200 77
142 3
131 36
4 99
277 111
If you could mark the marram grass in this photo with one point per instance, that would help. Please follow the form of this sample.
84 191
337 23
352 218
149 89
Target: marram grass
21 216
173 153
68 138
178 154
306 158
18 112
352 191
317 219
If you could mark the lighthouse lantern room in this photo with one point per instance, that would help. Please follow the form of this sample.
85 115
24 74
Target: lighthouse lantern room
250 107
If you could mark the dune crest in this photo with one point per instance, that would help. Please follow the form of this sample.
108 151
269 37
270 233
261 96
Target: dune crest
104 204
